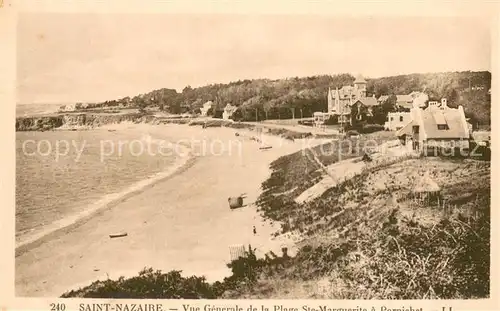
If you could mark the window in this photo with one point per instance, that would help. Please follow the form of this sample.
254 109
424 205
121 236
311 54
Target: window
416 129
442 126
400 118
392 118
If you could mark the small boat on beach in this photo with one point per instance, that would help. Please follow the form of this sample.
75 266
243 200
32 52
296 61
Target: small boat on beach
118 235
236 202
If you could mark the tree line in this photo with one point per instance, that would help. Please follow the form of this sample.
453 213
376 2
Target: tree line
261 99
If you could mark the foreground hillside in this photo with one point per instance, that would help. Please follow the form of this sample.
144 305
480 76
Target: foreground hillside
261 99
365 238
368 239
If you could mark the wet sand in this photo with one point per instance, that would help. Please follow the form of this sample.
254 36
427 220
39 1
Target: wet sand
181 223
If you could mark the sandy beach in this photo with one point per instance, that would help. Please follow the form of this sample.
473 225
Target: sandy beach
182 222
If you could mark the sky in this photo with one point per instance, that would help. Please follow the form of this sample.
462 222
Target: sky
64 57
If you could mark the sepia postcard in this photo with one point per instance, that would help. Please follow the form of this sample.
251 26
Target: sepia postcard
248 156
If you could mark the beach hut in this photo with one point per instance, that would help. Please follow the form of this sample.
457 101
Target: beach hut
427 190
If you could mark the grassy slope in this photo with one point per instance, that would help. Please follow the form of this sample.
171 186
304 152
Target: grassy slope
366 239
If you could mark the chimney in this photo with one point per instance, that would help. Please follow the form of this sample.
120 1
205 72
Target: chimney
443 103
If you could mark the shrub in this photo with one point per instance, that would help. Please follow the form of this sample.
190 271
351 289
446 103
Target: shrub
306 122
370 128
332 120
150 284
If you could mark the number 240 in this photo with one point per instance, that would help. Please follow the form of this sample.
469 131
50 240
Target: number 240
57 307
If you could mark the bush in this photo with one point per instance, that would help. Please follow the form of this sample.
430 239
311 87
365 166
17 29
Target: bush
306 122
370 128
333 120
150 284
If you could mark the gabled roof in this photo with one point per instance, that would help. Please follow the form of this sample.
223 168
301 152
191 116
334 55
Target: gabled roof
439 117
405 130
343 92
405 101
367 101
415 94
404 98
454 118
230 108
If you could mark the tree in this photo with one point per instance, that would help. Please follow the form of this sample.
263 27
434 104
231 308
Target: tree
390 104
210 111
141 104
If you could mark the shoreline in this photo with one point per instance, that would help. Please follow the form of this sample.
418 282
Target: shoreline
198 207
64 225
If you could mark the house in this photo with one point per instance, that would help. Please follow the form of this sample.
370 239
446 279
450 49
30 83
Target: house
478 88
396 120
404 101
435 129
70 107
382 99
228 111
362 108
341 100
419 99
319 118
482 138
206 107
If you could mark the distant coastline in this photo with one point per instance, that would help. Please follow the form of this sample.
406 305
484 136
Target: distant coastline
33 110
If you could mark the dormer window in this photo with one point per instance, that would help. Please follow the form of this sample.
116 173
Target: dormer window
443 127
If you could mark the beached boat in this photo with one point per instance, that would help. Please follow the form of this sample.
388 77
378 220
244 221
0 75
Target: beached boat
118 235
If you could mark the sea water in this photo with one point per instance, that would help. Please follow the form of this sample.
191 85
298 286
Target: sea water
58 185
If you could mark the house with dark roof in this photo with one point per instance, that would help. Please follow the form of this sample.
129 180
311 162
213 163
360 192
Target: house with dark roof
362 109
341 101
436 129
